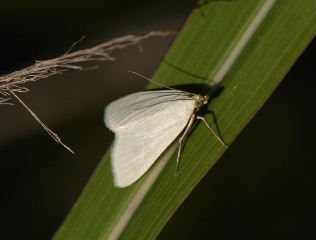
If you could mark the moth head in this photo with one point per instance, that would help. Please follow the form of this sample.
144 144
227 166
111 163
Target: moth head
201 100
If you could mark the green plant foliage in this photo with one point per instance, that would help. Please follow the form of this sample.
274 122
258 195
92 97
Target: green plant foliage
209 35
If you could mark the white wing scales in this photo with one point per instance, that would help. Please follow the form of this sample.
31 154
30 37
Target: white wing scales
127 110
144 129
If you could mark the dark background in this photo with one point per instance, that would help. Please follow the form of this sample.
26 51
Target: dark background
246 195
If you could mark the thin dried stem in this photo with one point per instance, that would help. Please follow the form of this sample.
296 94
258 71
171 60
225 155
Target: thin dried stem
50 132
47 68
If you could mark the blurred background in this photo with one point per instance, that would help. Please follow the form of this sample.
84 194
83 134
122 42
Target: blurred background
245 196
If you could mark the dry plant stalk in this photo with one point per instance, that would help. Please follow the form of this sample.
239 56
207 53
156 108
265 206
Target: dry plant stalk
13 83
59 65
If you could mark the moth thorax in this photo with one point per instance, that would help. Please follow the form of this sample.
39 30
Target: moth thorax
200 100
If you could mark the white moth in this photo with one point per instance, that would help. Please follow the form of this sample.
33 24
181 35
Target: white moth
145 124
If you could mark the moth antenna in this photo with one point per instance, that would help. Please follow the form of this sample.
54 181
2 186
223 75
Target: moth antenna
159 84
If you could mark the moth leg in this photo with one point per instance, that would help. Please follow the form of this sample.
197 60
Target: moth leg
211 129
185 133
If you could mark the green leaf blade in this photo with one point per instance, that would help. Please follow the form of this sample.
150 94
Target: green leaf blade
208 37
